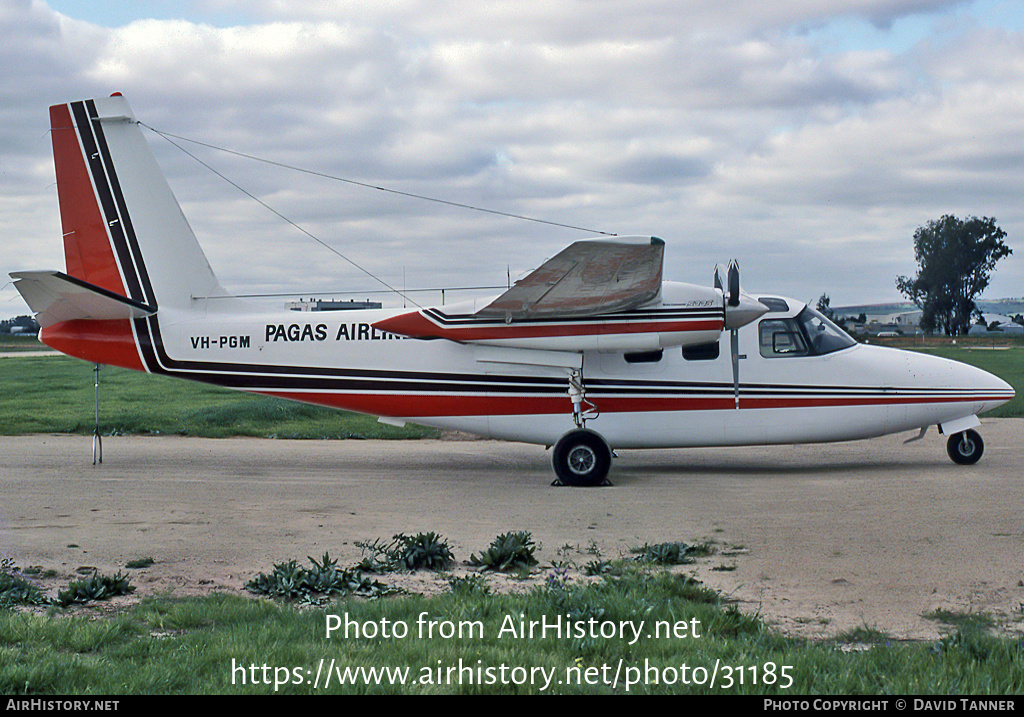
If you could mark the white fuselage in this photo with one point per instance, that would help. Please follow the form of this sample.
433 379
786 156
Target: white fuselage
679 397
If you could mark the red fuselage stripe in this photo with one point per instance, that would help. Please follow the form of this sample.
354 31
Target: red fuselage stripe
439 405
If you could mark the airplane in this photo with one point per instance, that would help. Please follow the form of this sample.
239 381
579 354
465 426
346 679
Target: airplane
590 353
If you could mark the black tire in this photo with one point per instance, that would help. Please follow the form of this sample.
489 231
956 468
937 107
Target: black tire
965 448
581 458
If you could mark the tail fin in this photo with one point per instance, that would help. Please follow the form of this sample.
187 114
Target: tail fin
123 229
130 254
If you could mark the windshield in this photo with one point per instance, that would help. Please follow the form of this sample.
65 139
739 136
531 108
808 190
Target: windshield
824 336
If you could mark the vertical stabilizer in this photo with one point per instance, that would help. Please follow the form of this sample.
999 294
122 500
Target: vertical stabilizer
123 228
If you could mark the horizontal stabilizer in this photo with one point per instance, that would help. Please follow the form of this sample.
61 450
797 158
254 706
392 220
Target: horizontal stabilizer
54 297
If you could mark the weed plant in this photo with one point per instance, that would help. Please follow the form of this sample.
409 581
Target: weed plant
423 551
95 587
316 584
16 590
677 553
469 585
508 552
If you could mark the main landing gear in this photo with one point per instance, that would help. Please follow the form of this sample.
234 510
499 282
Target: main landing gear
965 448
581 457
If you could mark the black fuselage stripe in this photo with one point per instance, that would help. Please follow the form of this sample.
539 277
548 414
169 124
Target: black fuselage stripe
96 158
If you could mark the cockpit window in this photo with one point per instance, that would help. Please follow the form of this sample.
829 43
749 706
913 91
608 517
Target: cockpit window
781 337
809 334
825 337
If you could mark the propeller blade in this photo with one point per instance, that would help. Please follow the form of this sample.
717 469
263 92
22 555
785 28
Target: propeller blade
734 284
734 341
740 309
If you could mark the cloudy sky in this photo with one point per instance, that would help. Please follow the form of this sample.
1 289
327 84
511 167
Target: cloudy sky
806 139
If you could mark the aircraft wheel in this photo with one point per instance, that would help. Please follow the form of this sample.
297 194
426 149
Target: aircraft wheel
965 448
581 458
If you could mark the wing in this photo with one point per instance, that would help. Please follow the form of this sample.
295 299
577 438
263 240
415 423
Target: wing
585 279
593 296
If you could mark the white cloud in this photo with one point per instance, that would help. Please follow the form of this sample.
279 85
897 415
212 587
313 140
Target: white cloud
722 127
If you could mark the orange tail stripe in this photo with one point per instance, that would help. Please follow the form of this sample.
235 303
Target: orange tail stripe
87 250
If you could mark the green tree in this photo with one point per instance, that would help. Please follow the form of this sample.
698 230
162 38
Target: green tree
824 306
955 260
26 324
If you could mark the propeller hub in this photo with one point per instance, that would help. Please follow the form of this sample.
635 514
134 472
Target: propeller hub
745 310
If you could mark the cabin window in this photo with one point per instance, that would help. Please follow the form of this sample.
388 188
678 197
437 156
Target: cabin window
781 337
644 356
775 305
701 352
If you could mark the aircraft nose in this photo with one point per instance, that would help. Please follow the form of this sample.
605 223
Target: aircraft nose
991 390
953 382
1004 391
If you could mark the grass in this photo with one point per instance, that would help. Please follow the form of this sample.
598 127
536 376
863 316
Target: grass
55 394
20 342
963 622
471 640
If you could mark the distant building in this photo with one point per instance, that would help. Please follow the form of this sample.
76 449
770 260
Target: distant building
908 321
312 304
1003 324
905 319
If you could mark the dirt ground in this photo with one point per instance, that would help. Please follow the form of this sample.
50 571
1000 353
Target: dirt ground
816 539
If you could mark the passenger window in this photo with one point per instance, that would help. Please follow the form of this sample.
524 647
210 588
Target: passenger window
781 337
644 356
701 352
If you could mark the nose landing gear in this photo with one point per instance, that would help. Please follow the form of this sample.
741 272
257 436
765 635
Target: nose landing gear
965 448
